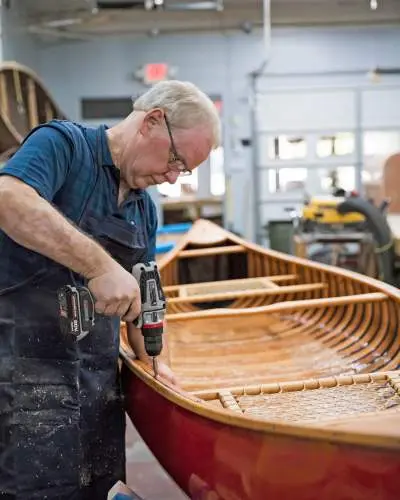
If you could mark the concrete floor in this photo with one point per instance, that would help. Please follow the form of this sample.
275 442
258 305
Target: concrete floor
144 474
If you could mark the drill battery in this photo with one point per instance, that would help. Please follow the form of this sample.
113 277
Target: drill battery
76 310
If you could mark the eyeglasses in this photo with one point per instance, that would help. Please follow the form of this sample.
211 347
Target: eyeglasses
175 162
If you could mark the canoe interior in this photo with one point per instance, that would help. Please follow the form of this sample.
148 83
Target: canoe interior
280 338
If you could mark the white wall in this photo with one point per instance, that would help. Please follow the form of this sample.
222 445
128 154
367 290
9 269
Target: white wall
17 44
218 64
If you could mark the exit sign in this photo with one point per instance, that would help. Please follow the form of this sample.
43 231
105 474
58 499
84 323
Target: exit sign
155 72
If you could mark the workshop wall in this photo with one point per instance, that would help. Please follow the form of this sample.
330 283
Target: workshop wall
17 44
220 65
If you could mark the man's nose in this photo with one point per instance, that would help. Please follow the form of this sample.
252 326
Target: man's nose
172 177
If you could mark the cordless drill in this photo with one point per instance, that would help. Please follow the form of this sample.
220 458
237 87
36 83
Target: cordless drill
151 319
77 312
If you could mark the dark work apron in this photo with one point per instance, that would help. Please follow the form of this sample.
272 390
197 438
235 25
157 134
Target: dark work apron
62 420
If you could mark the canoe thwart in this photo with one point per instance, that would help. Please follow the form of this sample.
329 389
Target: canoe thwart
227 285
211 296
207 287
282 307
203 252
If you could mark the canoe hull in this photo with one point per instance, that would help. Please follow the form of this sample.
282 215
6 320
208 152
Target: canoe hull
207 457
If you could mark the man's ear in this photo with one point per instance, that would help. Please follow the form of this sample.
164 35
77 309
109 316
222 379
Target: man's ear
152 118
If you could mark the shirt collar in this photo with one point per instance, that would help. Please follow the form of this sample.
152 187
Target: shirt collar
105 153
106 160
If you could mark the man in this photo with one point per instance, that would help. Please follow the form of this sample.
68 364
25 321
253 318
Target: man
74 210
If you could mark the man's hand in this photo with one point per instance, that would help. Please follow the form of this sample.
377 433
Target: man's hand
136 341
165 373
116 293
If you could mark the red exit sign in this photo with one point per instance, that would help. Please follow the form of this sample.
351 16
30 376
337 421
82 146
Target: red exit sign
155 72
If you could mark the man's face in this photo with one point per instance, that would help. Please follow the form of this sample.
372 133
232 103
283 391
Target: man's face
161 153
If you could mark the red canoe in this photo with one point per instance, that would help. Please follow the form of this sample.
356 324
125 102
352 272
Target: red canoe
288 371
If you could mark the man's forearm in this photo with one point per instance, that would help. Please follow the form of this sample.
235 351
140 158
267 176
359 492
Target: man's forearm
33 223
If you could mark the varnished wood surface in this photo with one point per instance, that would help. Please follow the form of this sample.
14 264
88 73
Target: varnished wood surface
297 321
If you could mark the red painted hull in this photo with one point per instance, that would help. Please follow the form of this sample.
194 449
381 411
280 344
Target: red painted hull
210 460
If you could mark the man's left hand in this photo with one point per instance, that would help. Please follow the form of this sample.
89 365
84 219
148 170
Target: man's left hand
165 373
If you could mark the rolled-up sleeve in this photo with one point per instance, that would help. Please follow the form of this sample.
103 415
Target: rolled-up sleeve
42 161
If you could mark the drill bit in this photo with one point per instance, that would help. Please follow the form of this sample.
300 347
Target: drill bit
155 367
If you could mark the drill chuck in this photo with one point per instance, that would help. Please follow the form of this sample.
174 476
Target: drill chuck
152 331
153 339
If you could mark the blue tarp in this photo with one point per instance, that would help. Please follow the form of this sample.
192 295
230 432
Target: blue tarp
164 247
182 227
174 228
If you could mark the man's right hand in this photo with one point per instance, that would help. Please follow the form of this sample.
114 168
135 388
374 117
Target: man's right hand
116 293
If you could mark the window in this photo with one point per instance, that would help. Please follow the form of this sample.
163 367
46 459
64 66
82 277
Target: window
103 108
284 180
338 177
287 148
381 143
217 174
339 144
377 146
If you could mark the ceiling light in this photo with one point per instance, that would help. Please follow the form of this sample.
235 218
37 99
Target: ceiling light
217 5
373 4
60 23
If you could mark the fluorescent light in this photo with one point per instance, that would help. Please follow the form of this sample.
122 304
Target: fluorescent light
200 5
60 23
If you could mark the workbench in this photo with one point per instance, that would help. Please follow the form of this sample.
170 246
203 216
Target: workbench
191 208
365 259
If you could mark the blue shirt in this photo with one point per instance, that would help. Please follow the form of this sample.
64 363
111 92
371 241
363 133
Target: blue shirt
63 161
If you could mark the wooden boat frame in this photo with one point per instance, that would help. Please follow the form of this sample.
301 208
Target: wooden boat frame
22 89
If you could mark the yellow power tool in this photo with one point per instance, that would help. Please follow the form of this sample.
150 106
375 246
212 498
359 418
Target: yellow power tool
323 210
